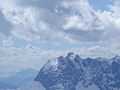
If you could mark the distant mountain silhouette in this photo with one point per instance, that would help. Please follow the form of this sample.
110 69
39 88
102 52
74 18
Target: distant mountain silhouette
20 77
6 85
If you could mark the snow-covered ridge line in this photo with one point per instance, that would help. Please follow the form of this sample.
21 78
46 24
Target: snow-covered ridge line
67 72
75 73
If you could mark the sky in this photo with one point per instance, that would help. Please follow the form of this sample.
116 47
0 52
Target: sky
33 31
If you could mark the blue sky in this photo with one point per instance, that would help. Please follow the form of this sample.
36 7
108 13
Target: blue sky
33 31
101 4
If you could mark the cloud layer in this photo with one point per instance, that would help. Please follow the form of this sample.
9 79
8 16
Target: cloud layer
37 20
73 21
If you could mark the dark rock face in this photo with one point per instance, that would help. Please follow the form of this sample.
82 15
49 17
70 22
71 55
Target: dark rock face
66 72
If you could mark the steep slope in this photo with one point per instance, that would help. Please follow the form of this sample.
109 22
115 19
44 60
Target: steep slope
66 73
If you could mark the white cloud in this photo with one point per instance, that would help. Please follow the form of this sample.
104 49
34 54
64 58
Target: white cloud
33 57
8 42
27 22
25 57
74 21
82 14
84 22
37 20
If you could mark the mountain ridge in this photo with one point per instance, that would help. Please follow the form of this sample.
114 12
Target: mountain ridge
66 72
75 73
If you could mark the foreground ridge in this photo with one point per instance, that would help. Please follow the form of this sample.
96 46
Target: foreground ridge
66 72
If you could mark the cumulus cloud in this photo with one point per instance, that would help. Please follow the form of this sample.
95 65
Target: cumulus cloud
27 21
84 18
36 20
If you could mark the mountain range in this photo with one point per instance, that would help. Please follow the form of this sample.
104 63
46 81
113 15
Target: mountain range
75 73
17 79
66 73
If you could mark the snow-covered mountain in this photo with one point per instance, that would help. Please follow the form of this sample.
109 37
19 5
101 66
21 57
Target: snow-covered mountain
74 73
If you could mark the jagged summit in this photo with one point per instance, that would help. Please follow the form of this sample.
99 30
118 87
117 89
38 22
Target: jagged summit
117 57
71 56
65 73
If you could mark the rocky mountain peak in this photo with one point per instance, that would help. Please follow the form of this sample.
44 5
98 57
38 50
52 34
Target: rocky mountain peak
65 73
